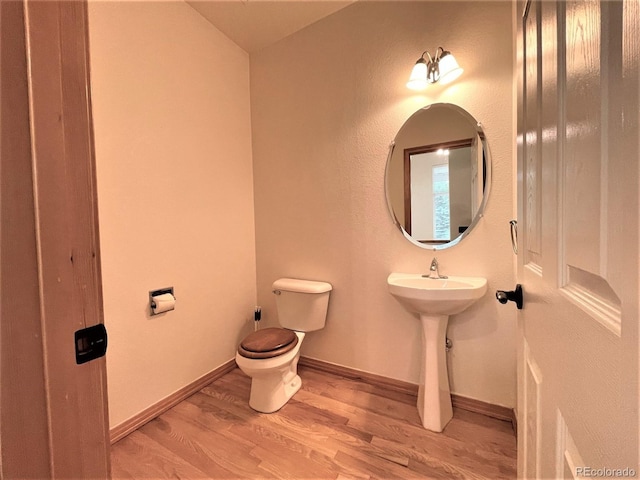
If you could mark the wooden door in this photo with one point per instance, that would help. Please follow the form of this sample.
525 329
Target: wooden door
53 417
578 157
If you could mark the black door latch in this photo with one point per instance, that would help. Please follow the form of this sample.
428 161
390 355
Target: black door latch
91 343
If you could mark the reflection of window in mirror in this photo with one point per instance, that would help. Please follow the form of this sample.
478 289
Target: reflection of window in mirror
441 210
438 200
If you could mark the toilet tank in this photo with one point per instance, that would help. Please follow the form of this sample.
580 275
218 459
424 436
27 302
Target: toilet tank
302 304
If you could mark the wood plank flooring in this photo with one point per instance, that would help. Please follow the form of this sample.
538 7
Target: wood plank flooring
333 427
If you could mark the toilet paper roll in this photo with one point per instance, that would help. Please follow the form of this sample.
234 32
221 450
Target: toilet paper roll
163 303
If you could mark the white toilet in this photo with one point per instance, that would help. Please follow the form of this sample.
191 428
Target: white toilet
270 355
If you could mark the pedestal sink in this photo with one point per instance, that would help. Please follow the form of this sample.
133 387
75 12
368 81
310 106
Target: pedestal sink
435 299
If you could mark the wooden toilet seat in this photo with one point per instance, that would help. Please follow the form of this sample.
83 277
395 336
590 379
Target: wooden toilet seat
268 343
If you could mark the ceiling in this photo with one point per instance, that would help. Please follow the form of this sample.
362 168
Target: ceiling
255 24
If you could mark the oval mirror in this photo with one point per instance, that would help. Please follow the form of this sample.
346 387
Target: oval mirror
438 175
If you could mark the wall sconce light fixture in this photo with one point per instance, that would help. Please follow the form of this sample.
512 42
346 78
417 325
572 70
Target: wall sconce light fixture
441 68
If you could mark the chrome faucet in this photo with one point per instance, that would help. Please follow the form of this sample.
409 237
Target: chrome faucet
433 270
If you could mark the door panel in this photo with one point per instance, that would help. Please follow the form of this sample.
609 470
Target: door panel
532 202
578 199
585 180
532 387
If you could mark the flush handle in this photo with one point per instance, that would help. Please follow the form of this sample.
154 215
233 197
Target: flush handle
511 296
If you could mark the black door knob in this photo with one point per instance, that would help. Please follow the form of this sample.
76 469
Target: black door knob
511 296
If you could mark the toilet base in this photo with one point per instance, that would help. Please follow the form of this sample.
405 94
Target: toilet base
273 392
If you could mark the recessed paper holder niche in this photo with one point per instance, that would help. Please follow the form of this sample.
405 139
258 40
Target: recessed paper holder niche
160 302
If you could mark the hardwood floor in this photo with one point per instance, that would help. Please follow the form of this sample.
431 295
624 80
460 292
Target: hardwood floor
333 427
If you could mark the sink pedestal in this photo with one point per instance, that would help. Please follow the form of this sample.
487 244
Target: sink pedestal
434 396
435 299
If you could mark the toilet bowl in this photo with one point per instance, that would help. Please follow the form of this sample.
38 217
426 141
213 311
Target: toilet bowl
270 356
273 380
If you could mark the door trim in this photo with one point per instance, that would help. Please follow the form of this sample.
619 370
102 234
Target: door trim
56 174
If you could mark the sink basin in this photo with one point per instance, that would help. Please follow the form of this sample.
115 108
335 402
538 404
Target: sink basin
435 299
440 296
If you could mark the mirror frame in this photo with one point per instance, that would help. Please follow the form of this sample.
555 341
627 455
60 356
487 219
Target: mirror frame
487 178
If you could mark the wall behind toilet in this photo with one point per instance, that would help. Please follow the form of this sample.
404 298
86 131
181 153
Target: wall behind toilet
326 102
175 190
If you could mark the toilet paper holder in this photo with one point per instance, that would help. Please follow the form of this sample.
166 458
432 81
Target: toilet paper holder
157 293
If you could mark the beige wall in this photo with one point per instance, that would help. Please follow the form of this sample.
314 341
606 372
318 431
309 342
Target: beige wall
173 148
326 102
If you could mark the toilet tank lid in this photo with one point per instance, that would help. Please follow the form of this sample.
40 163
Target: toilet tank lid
301 286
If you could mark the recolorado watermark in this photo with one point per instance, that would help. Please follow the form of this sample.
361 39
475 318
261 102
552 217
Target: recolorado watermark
589 472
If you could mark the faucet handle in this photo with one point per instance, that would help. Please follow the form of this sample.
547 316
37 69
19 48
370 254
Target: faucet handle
434 272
